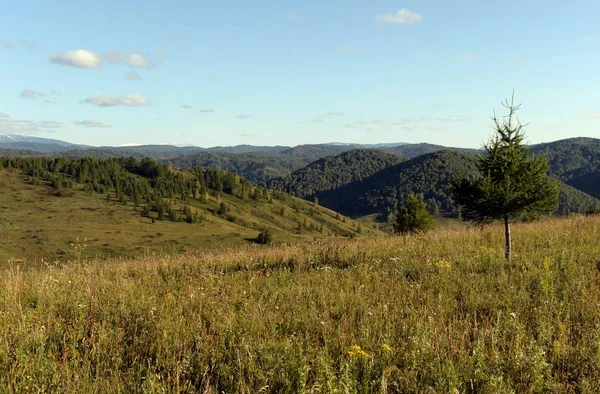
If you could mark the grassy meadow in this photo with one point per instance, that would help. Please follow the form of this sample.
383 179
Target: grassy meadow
441 313
37 225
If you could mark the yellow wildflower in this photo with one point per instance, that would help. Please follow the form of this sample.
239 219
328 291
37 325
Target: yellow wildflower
386 348
169 297
356 351
443 264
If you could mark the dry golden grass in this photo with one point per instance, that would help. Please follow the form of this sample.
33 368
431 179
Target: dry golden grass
439 313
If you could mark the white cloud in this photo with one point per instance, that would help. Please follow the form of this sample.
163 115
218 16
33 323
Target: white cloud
4 115
132 76
25 127
113 57
590 114
160 53
292 15
185 106
31 94
137 60
242 116
351 50
50 102
78 58
133 59
5 44
401 17
206 111
128 100
93 123
465 57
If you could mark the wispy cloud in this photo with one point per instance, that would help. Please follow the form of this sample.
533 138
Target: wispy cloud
292 15
6 45
128 100
328 115
132 59
31 94
185 106
465 57
25 126
50 102
93 123
4 115
401 17
242 116
133 76
351 50
248 136
206 111
460 118
173 37
78 58
590 114
590 39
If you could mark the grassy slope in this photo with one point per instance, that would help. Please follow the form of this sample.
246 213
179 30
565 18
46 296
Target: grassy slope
35 225
440 313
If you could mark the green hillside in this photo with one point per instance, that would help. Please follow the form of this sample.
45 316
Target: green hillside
333 172
410 151
62 208
256 167
586 179
570 154
430 175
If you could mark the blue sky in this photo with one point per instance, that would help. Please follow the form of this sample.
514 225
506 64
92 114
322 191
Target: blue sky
287 73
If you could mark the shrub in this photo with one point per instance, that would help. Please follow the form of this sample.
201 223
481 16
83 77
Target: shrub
264 237
412 217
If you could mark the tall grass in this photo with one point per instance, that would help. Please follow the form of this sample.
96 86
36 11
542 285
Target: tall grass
440 313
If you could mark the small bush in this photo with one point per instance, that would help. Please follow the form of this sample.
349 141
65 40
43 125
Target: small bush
413 217
264 237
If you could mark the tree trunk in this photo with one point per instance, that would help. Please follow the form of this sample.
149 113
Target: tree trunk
507 252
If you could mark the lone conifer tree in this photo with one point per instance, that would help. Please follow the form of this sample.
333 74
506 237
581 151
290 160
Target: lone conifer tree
412 217
512 181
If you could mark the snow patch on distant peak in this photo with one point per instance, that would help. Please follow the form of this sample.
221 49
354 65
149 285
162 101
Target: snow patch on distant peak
130 144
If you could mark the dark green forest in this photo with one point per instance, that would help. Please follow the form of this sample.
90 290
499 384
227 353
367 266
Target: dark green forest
333 172
430 175
144 183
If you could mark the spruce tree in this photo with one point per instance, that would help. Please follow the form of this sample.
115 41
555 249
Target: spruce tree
412 217
512 182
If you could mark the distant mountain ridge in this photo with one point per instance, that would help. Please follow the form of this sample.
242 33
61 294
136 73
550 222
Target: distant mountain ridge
575 161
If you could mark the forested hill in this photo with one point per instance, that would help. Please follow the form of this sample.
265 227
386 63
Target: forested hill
575 161
410 151
257 167
333 172
570 154
48 203
430 175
